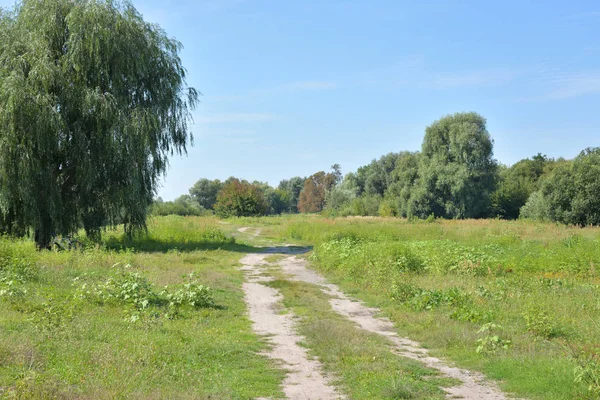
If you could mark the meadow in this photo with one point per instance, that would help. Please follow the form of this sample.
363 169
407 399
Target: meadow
516 300
163 315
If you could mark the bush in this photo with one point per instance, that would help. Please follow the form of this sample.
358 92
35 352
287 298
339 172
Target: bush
536 208
127 287
17 259
540 323
240 199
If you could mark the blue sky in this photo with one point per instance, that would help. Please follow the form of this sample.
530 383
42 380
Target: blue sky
292 87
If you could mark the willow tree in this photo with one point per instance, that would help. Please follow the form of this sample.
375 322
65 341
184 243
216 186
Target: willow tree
457 172
93 101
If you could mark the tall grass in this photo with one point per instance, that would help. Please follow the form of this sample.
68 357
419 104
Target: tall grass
518 300
126 319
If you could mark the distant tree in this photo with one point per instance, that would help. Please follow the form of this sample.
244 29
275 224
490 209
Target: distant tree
403 181
278 201
240 199
313 195
293 186
457 173
336 170
374 179
342 194
570 193
92 102
516 184
205 192
183 205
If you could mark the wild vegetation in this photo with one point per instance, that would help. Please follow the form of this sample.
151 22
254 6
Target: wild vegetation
160 316
516 300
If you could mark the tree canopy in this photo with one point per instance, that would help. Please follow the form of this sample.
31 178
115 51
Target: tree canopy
240 199
570 193
457 172
205 192
93 101
316 187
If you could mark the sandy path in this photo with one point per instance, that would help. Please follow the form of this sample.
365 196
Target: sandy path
473 386
304 380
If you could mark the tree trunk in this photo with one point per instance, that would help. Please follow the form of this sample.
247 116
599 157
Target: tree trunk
43 232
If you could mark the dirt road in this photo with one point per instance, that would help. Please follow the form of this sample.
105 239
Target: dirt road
305 379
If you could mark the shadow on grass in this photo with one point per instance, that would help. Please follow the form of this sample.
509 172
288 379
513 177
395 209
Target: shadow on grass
151 245
290 250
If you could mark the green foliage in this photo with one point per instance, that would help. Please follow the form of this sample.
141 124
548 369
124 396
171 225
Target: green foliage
183 206
192 294
365 205
588 367
387 208
11 288
374 179
205 192
313 195
571 192
129 287
540 323
293 187
240 199
94 102
491 342
403 181
277 200
124 286
457 172
17 260
420 299
537 208
517 184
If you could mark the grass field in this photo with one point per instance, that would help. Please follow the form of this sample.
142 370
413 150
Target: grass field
98 323
517 301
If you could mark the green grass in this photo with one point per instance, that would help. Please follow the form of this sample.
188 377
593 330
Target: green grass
361 363
56 345
119 337
441 282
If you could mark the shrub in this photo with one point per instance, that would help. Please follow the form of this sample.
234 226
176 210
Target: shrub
131 288
240 199
587 371
540 323
491 342
17 259
192 293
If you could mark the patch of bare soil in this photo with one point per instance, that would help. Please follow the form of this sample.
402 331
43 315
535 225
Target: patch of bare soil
304 379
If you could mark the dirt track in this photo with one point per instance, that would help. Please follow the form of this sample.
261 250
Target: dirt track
304 378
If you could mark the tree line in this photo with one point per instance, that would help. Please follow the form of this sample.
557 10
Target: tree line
453 176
